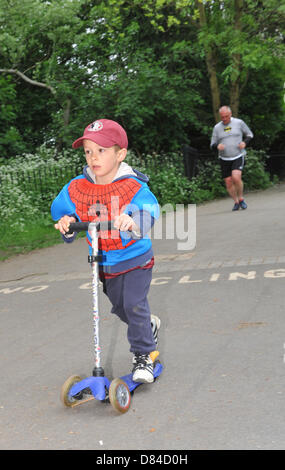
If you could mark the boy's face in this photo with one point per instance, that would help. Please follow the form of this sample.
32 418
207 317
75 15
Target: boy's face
103 162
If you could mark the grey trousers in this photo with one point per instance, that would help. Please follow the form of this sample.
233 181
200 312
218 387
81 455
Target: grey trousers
128 296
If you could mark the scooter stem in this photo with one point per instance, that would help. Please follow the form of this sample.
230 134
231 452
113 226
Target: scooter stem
95 281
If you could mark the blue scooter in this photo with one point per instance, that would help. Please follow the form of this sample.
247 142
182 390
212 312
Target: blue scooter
76 390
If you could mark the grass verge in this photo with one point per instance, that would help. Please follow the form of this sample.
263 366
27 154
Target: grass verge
38 234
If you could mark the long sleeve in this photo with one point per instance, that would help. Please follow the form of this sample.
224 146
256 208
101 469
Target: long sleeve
247 133
214 140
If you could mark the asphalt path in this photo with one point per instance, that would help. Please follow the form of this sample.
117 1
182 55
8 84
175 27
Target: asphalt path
222 340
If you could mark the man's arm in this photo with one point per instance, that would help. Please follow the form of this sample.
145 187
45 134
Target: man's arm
246 132
214 140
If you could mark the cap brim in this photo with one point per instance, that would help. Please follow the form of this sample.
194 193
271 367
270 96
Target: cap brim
77 143
99 139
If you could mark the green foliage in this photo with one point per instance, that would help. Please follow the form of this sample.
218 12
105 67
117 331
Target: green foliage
166 176
254 175
10 137
210 185
38 233
29 183
169 184
258 113
141 63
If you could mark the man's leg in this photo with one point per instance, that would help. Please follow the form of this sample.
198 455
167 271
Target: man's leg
238 183
231 188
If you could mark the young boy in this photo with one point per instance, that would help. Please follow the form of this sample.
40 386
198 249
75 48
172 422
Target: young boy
109 189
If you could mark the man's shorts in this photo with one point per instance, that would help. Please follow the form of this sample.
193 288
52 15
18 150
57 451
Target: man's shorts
228 166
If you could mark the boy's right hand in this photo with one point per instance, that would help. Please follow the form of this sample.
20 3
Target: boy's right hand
63 224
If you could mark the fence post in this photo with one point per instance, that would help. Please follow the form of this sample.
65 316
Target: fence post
190 156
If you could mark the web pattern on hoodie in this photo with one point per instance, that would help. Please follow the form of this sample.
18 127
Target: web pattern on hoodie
101 202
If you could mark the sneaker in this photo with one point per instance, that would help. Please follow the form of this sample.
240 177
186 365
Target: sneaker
242 204
142 368
236 207
155 325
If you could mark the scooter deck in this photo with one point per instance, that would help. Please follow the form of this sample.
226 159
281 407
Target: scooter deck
98 386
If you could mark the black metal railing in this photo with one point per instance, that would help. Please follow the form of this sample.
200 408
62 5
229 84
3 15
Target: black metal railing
44 182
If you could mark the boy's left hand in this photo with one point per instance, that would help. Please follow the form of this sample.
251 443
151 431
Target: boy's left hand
124 223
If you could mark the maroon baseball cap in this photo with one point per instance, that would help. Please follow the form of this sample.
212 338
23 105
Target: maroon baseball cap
104 132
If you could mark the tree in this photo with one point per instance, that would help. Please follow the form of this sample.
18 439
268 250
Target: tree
162 68
10 138
235 37
37 40
148 87
239 36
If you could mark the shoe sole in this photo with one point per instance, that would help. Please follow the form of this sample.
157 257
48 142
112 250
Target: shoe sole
142 380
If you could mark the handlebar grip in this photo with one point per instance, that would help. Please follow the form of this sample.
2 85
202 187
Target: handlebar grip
84 226
77 227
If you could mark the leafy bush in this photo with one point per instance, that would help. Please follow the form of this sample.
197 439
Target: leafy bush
170 185
208 184
166 177
17 206
254 175
29 183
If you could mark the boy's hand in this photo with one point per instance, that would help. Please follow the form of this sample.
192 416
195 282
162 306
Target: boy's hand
124 223
63 224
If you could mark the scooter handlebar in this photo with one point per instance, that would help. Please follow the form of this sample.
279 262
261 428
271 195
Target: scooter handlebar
84 226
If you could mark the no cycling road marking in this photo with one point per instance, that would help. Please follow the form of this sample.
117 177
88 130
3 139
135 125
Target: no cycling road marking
186 279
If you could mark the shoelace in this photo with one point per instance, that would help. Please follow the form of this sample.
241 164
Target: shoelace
141 361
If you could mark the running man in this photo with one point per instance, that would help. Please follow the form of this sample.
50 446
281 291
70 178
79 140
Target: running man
230 137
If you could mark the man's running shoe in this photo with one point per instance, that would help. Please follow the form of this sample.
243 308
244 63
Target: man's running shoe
242 204
155 325
236 207
142 368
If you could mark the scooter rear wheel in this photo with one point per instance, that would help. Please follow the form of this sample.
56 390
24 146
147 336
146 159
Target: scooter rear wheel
119 395
64 394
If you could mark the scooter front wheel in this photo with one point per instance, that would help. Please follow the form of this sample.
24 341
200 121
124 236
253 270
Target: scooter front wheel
64 394
119 395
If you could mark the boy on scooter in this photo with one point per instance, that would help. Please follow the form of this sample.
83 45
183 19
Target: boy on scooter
109 189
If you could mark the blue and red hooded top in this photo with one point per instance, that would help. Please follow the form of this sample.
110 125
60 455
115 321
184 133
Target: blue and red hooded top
90 202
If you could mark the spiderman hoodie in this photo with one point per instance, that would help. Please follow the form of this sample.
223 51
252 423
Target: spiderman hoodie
128 193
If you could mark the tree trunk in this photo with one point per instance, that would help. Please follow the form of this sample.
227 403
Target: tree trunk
215 90
237 65
211 64
66 116
66 113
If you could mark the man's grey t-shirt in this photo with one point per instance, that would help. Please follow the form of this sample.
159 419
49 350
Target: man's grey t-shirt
231 135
